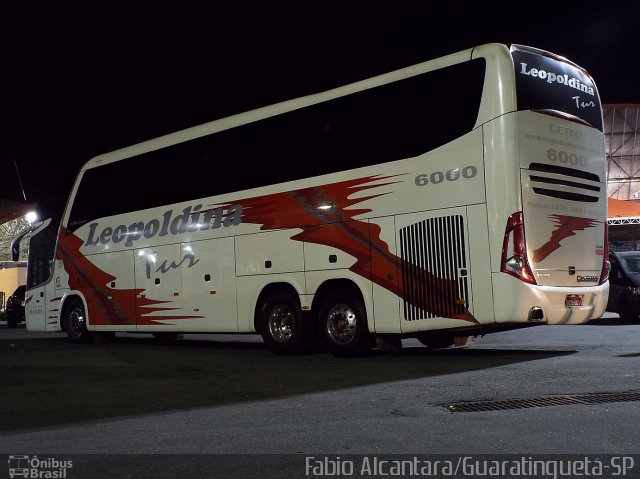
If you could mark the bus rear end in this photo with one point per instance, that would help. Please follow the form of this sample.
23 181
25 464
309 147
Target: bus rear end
556 246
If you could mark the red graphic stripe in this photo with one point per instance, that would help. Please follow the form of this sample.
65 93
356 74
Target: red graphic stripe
327 215
107 306
566 226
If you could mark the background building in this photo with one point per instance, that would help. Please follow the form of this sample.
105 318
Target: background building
622 145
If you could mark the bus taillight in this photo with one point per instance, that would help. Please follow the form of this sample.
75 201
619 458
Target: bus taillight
514 250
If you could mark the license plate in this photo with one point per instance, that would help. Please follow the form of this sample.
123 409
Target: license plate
573 300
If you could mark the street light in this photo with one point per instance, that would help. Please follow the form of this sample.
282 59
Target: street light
31 217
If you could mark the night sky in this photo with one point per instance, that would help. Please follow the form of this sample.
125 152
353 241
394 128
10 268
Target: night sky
77 83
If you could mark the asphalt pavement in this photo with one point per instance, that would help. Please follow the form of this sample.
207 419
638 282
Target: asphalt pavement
227 394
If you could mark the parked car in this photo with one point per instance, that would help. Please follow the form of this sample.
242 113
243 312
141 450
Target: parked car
624 285
15 307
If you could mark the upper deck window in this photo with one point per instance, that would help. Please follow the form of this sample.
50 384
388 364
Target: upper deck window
395 121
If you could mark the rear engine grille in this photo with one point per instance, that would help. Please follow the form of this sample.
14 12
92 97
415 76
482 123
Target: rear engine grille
544 401
434 268
565 177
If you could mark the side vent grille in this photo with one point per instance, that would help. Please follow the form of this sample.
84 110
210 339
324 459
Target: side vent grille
434 268
563 183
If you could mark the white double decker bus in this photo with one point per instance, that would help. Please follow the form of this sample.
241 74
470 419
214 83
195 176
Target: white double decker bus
458 196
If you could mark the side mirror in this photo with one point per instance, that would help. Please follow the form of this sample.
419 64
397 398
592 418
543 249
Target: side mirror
15 250
15 242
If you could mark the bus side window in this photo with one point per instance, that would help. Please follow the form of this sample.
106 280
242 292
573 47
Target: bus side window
302 144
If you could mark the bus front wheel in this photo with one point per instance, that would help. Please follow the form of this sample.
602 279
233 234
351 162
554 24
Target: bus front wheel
75 322
284 329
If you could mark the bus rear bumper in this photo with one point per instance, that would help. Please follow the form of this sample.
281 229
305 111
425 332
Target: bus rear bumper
515 300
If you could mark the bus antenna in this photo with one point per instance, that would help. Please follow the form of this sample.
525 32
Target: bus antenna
15 162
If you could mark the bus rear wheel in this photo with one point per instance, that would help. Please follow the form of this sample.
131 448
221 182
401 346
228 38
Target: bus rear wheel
283 326
75 322
343 324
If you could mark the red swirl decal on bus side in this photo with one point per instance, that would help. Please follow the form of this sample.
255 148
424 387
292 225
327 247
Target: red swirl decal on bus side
566 226
326 216
107 305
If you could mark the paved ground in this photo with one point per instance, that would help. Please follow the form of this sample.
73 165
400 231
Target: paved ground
228 394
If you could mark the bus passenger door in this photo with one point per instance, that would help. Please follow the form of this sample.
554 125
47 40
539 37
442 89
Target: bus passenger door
38 299
36 310
435 270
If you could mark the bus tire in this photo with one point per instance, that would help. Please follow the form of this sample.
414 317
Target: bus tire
343 324
284 329
75 322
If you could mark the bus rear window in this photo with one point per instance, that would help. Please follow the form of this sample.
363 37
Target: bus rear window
546 83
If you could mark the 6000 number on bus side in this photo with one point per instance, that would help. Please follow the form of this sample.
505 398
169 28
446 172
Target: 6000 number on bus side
454 174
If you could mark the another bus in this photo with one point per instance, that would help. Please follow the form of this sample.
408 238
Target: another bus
455 197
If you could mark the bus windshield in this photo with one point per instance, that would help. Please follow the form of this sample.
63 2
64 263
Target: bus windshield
42 244
547 83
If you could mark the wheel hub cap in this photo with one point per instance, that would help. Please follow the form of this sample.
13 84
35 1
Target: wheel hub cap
76 321
341 324
281 324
